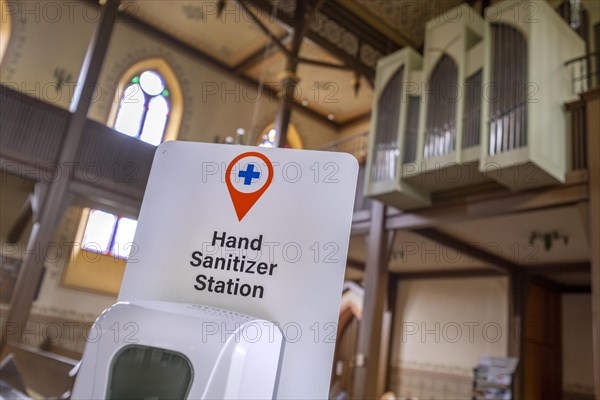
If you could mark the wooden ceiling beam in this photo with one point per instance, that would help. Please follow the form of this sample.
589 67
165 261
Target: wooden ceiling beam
258 56
263 27
208 59
288 79
546 270
331 11
324 64
559 268
575 289
357 119
499 263
357 264
449 274
487 205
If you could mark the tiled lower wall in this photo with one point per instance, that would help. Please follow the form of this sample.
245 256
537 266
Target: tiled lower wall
57 334
578 392
409 383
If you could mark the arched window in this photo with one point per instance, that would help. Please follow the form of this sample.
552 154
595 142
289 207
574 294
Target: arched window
351 309
440 131
104 246
4 28
148 102
508 111
385 157
144 108
268 137
106 233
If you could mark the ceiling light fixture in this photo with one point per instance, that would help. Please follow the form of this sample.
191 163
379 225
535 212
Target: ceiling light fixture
548 238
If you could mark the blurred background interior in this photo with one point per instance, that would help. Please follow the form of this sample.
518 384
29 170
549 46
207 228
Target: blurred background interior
476 230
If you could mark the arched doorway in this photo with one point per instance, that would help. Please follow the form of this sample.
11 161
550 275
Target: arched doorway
5 28
347 335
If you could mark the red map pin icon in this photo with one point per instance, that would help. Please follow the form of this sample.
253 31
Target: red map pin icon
244 201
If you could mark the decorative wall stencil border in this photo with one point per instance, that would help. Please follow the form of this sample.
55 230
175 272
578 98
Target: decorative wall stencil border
345 40
406 17
438 368
12 55
579 388
335 33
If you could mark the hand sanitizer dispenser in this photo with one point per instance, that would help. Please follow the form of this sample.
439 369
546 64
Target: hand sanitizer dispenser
163 350
230 243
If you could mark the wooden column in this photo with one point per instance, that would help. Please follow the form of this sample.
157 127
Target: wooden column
592 99
541 371
517 300
389 321
288 78
368 371
54 201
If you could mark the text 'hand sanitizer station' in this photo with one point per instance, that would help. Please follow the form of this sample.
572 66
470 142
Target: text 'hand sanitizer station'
233 288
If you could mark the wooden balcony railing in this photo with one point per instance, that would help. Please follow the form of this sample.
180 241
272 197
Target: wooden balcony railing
584 72
585 76
31 130
357 145
471 133
578 134
32 133
107 157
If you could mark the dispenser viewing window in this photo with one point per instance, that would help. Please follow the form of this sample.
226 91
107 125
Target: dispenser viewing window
163 350
149 373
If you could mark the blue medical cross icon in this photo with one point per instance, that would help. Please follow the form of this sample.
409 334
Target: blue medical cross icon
248 174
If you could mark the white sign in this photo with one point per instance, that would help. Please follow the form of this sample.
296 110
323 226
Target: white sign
259 231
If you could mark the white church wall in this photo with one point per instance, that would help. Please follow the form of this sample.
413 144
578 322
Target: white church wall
48 43
441 329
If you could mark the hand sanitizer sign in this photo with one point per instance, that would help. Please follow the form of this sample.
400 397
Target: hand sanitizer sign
258 231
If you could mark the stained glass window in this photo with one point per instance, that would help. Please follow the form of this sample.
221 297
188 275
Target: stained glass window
106 233
268 139
144 108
